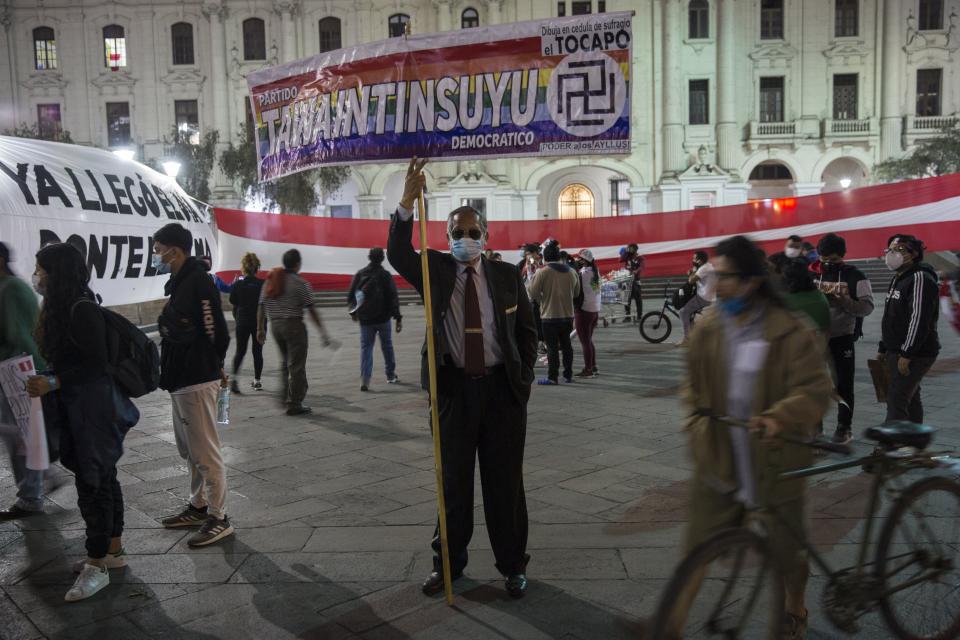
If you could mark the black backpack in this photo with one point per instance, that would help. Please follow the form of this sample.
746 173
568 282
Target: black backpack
134 360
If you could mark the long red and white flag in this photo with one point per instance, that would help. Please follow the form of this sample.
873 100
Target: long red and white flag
334 249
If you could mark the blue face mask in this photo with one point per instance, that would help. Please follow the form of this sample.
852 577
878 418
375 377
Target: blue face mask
733 306
159 265
466 249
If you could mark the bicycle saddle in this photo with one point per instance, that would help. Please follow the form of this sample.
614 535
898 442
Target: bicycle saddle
902 434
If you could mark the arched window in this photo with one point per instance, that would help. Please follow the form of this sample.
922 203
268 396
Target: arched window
699 12
114 46
181 40
44 49
254 39
329 34
576 201
397 24
469 18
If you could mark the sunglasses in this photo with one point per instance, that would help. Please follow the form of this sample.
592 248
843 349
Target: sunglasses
475 234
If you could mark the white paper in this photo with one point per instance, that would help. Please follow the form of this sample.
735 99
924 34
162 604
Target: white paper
27 411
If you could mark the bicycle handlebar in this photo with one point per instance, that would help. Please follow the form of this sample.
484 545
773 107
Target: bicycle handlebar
832 447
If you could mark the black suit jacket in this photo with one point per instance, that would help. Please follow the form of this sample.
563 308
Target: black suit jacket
513 313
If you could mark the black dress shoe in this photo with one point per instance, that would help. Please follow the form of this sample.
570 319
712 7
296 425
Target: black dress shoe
299 410
434 582
516 585
15 513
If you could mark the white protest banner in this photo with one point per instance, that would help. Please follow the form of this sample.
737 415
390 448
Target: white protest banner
104 205
27 411
553 87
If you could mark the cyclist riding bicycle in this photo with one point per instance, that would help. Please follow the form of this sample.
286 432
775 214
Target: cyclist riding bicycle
753 361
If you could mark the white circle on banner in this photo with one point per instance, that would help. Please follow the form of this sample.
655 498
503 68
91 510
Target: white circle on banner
586 93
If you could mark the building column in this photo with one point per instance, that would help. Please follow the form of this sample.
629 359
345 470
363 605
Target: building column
891 120
370 206
807 188
364 22
288 44
673 156
217 13
493 11
443 14
531 204
727 136
639 200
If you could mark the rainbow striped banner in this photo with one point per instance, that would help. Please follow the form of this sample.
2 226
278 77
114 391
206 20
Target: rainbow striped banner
540 88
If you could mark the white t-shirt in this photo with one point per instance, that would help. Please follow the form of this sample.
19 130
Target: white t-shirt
591 296
707 283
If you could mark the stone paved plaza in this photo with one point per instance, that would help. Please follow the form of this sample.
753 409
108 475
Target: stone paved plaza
334 512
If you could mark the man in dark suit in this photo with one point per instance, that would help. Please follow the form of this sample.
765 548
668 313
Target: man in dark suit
486 348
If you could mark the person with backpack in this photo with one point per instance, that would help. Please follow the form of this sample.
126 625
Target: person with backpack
245 298
18 316
850 296
910 342
194 341
376 303
84 406
587 312
555 286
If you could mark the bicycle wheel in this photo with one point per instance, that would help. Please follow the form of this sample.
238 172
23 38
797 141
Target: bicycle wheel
917 560
740 592
655 327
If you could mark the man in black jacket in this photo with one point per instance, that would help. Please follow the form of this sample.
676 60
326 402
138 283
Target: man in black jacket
851 300
910 343
374 290
486 347
194 341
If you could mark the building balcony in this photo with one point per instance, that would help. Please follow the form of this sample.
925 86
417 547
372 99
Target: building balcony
917 128
849 130
790 133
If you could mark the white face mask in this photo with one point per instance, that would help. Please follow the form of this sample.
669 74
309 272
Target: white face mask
894 260
38 285
465 249
792 252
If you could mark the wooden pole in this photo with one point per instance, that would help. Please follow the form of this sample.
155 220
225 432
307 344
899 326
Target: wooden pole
434 413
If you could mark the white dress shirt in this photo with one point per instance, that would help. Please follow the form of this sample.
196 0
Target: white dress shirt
454 319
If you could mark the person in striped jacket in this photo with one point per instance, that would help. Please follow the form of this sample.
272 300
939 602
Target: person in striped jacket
909 343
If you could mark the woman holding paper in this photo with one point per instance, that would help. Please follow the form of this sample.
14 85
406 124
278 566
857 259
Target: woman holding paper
82 404
18 315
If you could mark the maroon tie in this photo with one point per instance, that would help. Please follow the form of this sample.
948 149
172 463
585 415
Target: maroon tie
473 364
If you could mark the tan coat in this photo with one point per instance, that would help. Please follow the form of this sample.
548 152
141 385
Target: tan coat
555 291
794 388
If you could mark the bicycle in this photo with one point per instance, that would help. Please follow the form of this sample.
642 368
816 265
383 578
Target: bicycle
655 326
887 582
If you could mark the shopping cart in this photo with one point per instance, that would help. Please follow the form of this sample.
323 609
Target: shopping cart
614 294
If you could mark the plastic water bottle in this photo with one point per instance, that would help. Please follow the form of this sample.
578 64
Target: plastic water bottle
223 406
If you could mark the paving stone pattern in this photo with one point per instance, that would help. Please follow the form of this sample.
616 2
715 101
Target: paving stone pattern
334 511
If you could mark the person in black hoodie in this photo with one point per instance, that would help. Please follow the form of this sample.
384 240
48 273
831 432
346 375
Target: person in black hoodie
851 300
194 344
377 303
245 298
910 343
83 406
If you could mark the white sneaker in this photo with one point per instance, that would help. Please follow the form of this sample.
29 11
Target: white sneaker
116 560
89 582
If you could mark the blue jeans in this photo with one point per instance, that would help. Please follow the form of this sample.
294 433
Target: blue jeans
29 482
368 336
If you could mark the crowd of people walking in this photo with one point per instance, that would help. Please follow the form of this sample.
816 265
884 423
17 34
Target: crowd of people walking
768 340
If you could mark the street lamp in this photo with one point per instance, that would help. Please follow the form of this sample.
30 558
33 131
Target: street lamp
171 168
845 182
124 154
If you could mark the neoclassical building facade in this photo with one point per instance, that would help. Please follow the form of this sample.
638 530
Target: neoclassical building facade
732 99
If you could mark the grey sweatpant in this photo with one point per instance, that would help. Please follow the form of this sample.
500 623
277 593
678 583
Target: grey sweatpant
195 430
